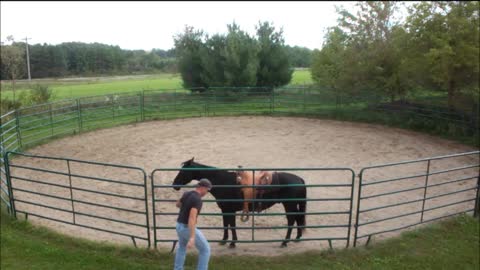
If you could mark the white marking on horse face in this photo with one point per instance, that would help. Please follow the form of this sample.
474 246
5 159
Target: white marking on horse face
239 179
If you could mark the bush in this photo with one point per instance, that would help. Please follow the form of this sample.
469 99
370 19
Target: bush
7 105
40 94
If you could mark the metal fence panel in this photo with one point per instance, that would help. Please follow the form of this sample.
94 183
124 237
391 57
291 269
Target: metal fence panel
337 210
427 190
71 191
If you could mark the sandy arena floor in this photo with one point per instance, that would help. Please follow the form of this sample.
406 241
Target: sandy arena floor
251 142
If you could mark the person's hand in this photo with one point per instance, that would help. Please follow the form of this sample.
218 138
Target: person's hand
191 243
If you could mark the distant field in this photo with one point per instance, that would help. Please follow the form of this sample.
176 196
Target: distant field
301 77
80 87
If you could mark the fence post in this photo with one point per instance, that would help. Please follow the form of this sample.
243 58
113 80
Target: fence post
272 106
51 118
9 184
358 208
113 108
17 124
215 102
304 100
142 105
206 102
79 115
153 210
71 192
1 138
145 193
477 199
4 164
425 191
351 208
254 206
175 100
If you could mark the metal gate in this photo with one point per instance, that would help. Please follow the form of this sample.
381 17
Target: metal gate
339 213
422 191
98 196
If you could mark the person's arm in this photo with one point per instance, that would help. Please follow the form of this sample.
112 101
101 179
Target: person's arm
179 201
192 222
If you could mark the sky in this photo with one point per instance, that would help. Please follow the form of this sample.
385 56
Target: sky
147 25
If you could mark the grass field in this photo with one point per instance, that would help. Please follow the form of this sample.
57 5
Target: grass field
80 87
452 244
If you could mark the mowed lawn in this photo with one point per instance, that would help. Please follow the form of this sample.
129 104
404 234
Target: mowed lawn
81 87
452 244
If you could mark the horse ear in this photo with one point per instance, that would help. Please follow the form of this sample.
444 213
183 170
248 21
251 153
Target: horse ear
192 158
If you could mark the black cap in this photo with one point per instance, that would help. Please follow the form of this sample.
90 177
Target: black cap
204 183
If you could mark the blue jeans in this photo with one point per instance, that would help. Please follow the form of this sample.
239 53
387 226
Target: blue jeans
201 244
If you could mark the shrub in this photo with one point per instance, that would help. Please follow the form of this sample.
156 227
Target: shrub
40 94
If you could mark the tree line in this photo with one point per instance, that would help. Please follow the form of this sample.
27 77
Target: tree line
371 52
83 59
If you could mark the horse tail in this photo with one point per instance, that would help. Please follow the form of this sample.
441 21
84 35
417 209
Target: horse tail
302 219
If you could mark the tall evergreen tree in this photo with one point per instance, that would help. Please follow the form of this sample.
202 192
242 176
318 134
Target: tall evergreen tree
274 66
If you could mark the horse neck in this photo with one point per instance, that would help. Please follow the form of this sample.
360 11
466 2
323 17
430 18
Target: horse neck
217 177
220 177
210 175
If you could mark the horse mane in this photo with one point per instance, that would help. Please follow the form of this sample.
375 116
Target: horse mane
198 165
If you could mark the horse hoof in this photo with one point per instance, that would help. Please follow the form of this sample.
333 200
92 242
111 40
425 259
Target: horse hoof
222 243
283 245
296 240
232 245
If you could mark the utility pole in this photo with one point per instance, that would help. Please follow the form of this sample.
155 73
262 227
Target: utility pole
28 59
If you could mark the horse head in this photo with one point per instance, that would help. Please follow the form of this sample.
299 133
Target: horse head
184 176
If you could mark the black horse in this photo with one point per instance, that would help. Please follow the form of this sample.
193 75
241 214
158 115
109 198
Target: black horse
224 177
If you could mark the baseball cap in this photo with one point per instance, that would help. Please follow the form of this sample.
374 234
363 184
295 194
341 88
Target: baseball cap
204 182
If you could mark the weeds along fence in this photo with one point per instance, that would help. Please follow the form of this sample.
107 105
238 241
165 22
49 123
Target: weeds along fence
115 202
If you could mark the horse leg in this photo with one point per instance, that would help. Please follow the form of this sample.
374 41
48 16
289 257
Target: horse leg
234 231
289 208
225 230
300 219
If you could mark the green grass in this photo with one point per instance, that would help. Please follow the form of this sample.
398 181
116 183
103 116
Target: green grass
65 89
302 76
452 244
73 89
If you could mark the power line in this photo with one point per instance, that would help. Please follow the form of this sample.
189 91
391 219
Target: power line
28 58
